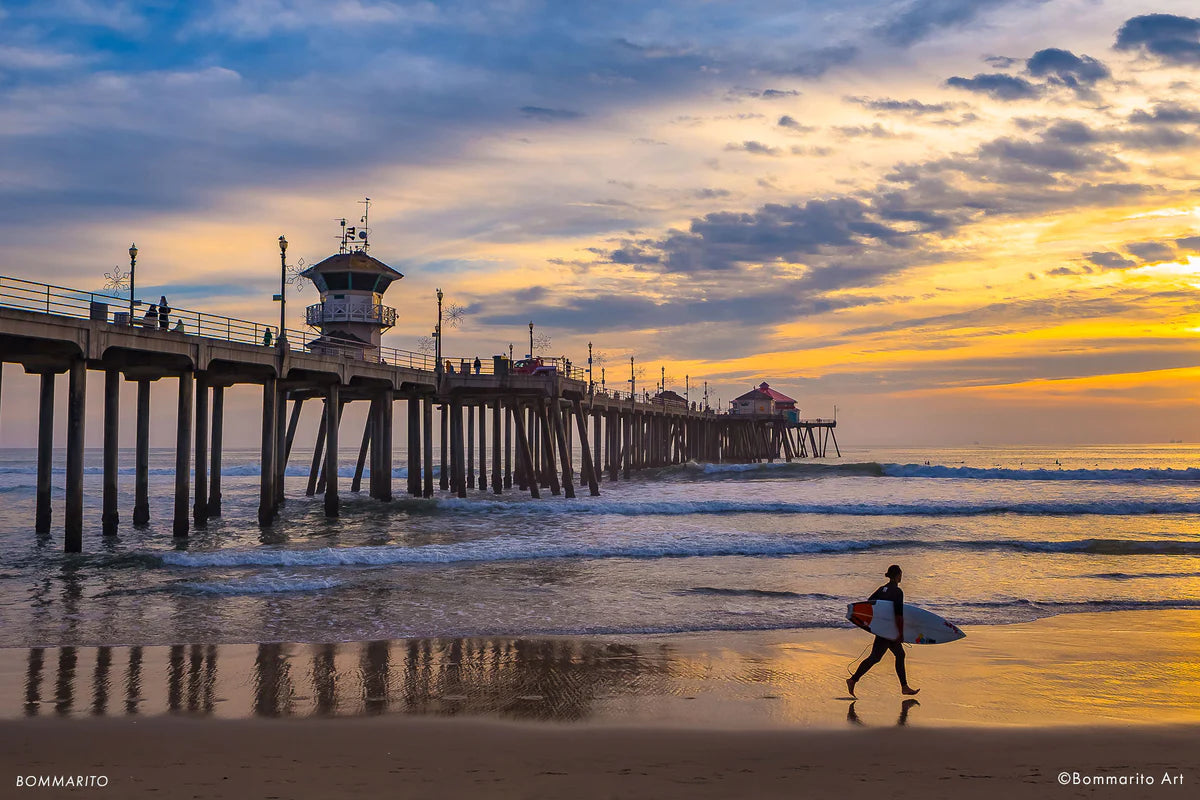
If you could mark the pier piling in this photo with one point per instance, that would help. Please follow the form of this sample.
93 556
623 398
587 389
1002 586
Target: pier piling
183 454
110 516
76 413
141 456
218 429
266 467
45 452
200 504
332 420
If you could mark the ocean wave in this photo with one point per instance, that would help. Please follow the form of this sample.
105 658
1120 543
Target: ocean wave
1139 475
259 584
765 593
1123 507
512 548
1130 576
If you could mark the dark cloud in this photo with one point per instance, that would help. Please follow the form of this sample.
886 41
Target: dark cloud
1170 38
538 112
887 104
1150 252
875 131
1064 68
708 194
1109 260
1189 243
817 62
1060 271
754 148
791 124
997 85
922 18
1169 113
1002 62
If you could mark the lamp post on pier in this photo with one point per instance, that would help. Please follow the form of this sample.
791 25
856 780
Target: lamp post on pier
591 385
132 269
531 338
437 338
282 337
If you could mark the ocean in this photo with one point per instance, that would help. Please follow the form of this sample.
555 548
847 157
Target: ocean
986 536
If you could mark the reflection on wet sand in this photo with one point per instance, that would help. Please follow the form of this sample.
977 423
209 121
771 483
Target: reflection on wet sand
551 679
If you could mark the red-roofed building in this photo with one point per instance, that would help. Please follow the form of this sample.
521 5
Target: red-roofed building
765 401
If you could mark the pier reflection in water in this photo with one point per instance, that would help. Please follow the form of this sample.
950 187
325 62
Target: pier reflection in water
551 679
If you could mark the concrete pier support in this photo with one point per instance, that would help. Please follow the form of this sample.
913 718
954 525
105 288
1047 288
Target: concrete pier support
218 429
556 427
497 477
110 517
443 455
364 448
200 504
597 468
266 470
470 446
281 398
458 462
318 450
45 452
507 413
332 419
548 449
387 422
141 456
413 405
183 454
588 467
76 413
524 454
427 435
483 446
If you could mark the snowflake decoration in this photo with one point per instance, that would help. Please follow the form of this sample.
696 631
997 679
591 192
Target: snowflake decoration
426 344
599 358
541 342
454 315
295 275
117 280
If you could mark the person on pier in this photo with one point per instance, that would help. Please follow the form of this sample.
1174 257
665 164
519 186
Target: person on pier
150 319
164 312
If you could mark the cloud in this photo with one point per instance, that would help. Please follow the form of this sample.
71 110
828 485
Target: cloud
923 18
1109 260
913 107
1151 252
1170 38
817 62
875 131
997 85
1189 243
1064 68
538 112
754 148
791 124
1169 113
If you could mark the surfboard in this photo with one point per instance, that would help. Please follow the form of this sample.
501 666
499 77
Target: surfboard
920 626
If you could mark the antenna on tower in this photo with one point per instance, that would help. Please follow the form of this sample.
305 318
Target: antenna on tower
364 232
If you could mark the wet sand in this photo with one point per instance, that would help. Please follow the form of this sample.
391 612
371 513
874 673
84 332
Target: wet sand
695 715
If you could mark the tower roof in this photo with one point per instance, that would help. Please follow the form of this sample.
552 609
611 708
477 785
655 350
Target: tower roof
356 262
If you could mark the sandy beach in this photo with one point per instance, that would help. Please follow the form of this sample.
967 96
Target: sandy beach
700 715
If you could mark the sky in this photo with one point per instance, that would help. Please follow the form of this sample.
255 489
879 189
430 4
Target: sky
956 221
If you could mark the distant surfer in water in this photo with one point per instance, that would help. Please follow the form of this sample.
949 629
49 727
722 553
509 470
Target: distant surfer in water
890 591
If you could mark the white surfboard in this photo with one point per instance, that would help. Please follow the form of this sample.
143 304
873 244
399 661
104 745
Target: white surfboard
920 626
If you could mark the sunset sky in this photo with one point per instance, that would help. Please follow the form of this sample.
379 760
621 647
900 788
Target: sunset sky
955 220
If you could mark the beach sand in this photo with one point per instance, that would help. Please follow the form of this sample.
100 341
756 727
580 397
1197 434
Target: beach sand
764 714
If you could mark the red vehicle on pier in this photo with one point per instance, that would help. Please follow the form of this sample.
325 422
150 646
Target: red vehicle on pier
533 366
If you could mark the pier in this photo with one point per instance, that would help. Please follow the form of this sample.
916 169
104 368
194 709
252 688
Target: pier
494 430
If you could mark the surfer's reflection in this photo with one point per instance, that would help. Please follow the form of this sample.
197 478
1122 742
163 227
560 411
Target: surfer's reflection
905 706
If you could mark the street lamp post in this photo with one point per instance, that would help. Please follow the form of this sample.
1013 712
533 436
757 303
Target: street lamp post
591 385
531 338
132 270
281 338
437 336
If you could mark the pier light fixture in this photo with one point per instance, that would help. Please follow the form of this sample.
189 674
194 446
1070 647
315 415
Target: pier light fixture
591 386
282 337
437 337
132 270
531 338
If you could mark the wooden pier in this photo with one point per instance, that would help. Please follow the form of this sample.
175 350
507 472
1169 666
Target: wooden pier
543 433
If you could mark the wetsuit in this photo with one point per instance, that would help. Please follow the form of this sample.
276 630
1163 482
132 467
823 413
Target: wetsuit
882 645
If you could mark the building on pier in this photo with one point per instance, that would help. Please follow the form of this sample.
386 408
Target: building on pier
351 316
765 401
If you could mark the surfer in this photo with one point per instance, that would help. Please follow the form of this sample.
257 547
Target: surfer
890 591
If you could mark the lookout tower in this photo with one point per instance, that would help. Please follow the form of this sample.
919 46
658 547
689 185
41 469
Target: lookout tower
351 316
